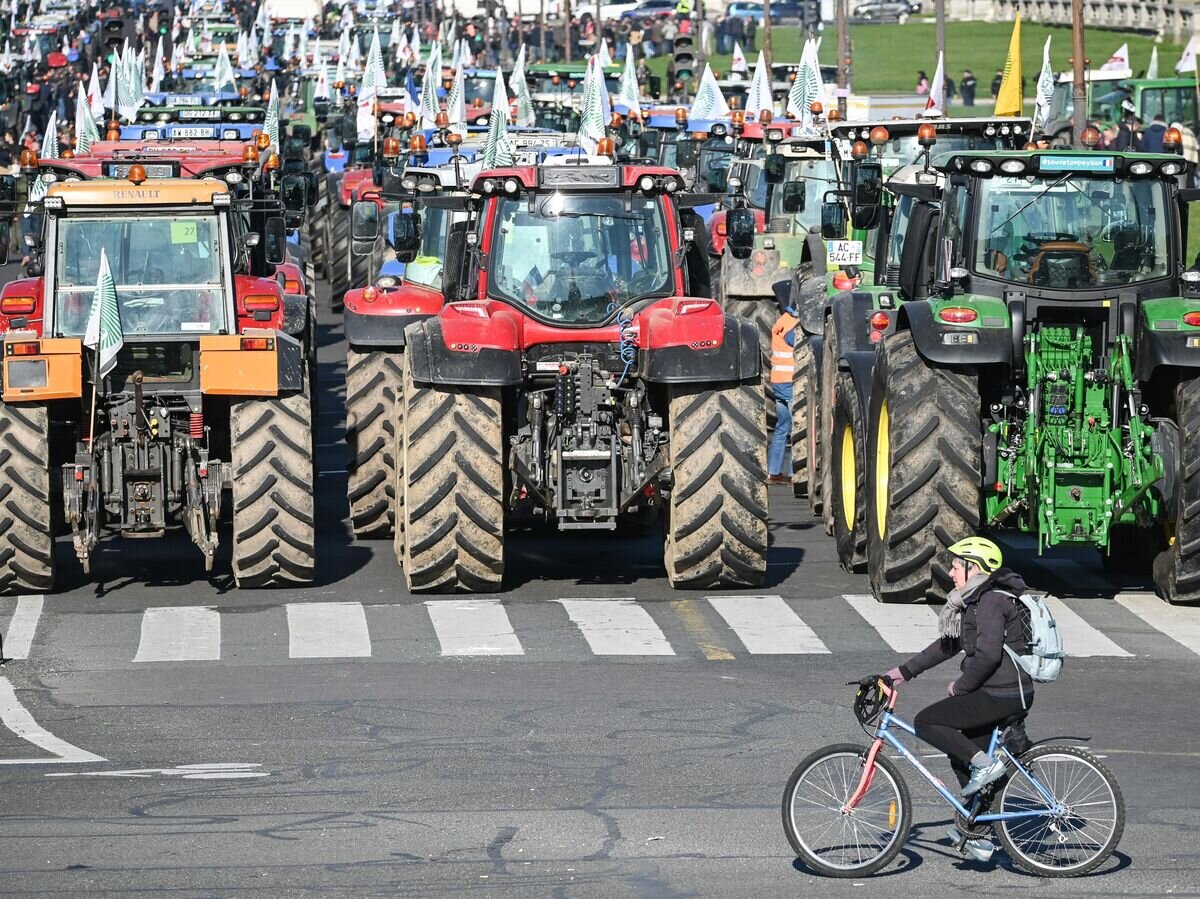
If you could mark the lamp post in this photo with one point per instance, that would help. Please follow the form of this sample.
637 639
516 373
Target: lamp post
1077 63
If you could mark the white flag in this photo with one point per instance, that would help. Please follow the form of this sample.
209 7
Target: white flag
936 104
709 102
95 96
1187 62
104 333
1045 90
1152 69
739 62
520 85
759 97
1118 61
629 95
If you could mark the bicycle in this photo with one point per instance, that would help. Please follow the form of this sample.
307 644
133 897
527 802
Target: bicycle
1059 810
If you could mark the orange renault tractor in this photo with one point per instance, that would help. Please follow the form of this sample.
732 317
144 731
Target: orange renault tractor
202 392
581 376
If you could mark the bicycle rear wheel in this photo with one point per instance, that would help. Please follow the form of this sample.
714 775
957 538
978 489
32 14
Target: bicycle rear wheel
1084 835
853 844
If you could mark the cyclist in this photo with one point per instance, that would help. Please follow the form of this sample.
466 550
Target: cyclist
980 616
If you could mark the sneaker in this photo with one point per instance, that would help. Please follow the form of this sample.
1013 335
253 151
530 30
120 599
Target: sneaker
979 849
981 777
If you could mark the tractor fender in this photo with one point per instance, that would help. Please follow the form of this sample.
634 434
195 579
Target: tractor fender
861 366
937 342
851 311
816 253
435 362
384 320
295 313
1165 344
736 358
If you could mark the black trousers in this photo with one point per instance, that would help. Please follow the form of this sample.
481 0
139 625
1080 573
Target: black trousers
960 726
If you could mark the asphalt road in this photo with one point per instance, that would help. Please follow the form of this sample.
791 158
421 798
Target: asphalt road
166 734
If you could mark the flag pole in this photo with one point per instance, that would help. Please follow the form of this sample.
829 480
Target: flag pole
95 391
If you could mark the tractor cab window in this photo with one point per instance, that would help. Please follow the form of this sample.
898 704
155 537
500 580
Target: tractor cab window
479 87
1073 232
578 258
167 271
426 268
713 165
754 184
1174 104
816 176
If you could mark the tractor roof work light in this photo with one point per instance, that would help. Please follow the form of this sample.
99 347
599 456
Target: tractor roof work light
391 149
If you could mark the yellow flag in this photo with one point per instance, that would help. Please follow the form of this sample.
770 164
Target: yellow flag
1009 100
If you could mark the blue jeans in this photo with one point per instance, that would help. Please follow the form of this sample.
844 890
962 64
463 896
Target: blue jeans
779 453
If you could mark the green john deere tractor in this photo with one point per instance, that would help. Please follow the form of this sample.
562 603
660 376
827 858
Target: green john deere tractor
1048 379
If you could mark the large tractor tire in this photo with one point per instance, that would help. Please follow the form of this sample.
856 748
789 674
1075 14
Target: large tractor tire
831 352
274 537
763 313
1177 569
373 381
339 256
315 225
847 500
453 505
716 524
26 500
360 270
924 454
806 436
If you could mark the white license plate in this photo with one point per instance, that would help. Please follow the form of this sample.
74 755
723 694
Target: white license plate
192 132
843 252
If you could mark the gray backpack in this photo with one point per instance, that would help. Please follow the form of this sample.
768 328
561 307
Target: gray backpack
1043 660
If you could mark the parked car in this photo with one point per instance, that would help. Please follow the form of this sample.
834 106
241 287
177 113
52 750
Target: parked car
884 10
607 10
745 9
650 9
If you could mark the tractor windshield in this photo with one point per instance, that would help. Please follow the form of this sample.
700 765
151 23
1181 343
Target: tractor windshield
713 165
579 257
1073 232
167 271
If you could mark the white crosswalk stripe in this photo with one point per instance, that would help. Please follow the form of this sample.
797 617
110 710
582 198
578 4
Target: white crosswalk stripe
473 627
905 628
617 627
183 634
1080 638
327 630
1179 623
767 624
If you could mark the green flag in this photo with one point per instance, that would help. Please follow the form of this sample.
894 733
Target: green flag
104 333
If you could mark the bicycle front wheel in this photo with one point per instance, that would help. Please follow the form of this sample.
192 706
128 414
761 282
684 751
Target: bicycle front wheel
853 843
1086 829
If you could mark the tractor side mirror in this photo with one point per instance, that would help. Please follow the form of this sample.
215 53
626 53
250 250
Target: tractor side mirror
320 109
293 190
300 133
794 196
365 227
773 168
833 220
275 238
717 180
867 195
739 230
686 152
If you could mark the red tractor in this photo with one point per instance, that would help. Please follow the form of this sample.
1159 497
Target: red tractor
579 374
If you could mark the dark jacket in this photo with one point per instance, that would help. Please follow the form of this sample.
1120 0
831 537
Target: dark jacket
989 621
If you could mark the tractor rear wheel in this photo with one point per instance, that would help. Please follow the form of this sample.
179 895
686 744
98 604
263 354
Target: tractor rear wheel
274 537
806 436
26 497
924 453
717 511
831 352
372 384
1177 569
453 506
848 500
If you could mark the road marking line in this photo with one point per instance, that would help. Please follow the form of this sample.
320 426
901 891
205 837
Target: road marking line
184 634
327 630
16 718
617 627
1180 624
905 628
473 627
23 626
1080 638
767 625
706 638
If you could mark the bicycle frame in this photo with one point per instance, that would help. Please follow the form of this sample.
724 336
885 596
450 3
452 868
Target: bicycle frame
883 733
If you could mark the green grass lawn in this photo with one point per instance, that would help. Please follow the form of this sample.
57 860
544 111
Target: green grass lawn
887 57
